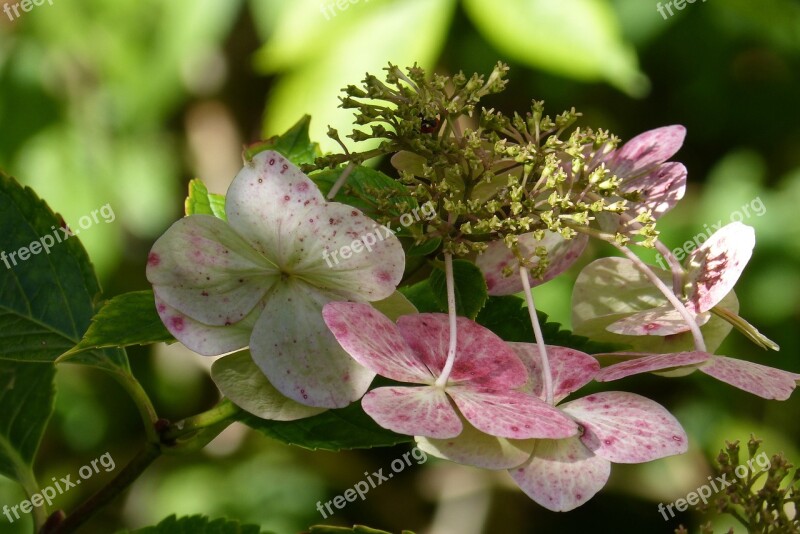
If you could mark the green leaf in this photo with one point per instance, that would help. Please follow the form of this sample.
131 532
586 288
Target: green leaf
394 306
295 144
576 38
333 430
422 297
470 288
365 188
201 202
129 319
357 529
507 316
610 289
197 524
46 303
424 249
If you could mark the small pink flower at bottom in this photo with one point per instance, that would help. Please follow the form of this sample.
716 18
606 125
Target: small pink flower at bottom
482 382
563 474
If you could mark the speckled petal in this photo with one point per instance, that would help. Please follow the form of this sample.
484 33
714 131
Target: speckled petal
713 269
562 474
647 150
300 356
374 341
662 321
240 380
206 339
415 411
562 253
281 212
648 363
482 358
475 448
766 382
511 414
661 189
268 196
627 428
570 368
202 268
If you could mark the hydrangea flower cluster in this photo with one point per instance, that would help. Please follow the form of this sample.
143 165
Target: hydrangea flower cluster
520 199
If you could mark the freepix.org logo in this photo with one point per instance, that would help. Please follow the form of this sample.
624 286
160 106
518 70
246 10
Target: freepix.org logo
25 6
59 235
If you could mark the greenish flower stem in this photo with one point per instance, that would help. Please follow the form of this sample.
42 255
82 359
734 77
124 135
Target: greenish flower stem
547 374
143 404
29 484
341 180
222 413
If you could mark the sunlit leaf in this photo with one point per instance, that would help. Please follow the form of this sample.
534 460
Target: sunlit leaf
128 319
323 54
576 38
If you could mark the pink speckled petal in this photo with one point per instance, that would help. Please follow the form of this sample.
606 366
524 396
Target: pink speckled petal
482 358
562 253
627 428
475 448
571 369
562 474
511 414
713 269
267 199
648 363
663 321
280 211
202 268
415 411
766 382
298 353
644 152
661 189
374 341
206 339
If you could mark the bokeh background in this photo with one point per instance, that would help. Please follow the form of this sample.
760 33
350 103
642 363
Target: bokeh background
123 102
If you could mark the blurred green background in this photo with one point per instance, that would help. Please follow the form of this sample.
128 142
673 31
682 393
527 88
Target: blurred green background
123 102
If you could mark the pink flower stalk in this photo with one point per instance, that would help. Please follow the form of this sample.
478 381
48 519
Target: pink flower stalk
711 273
481 383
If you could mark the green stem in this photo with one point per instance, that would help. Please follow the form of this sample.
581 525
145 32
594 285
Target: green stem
184 436
143 404
120 483
223 412
28 481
